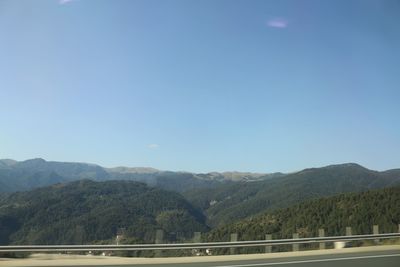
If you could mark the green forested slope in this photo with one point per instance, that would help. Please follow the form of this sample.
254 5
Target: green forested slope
358 210
229 203
87 211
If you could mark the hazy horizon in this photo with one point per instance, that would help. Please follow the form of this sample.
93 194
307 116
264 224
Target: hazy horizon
204 172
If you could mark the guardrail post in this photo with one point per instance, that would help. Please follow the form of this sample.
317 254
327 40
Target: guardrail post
295 247
234 238
321 233
159 240
159 236
348 230
399 228
348 233
268 249
197 237
375 231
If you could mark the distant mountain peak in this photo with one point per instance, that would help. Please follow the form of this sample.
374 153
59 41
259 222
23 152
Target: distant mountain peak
31 163
342 166
8 162
35 160
346 165
122 169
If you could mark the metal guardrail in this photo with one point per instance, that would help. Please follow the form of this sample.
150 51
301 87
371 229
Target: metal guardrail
64 248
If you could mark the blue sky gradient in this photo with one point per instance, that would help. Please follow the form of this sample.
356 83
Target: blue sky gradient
201 86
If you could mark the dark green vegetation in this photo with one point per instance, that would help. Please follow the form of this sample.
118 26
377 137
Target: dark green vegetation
86 211
29 174
226 204
358 210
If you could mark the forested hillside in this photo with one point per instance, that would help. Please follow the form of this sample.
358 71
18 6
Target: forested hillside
229 203
358 210
223 198
86 211
91 212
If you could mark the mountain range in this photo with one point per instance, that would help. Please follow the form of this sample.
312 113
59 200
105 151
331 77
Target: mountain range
33 173
221 198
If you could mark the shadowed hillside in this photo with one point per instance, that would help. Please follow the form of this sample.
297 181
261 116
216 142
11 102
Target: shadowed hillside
86 211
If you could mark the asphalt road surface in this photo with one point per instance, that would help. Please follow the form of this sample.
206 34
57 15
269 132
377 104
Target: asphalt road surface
391 259
369 257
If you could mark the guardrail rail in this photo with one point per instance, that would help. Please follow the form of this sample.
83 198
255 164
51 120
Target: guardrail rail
208 245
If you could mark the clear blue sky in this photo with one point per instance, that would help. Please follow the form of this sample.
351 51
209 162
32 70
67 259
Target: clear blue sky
201 85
